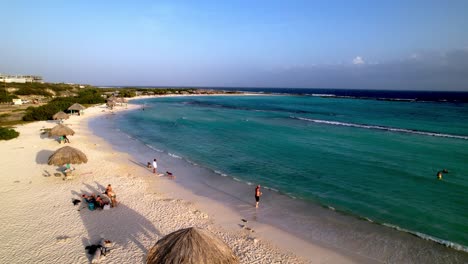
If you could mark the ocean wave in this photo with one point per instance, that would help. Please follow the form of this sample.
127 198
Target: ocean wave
391 129
430 238
174 155
220 173
271 189
153 148
322 95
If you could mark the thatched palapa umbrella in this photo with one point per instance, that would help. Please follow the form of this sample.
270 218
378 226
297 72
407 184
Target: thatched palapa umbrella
191 245
60 130
76 107
60 115
111 104
67 155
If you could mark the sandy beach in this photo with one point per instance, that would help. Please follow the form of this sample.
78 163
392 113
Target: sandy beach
40 224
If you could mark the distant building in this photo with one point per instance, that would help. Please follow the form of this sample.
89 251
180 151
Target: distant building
17 102
4 78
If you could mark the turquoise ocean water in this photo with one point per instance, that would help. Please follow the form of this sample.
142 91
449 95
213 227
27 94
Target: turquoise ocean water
376 160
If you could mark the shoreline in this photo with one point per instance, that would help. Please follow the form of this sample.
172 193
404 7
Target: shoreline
157 206
226 216
41 225
402 244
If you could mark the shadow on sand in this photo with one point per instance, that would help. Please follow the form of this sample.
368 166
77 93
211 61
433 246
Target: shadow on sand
141 164
43 156
120 224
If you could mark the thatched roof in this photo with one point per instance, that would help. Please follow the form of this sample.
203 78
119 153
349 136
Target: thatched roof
60 115
67 155
117 99
76 107
122 100
191 245
60 130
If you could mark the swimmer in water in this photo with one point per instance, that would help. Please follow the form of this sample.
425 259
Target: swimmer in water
439 173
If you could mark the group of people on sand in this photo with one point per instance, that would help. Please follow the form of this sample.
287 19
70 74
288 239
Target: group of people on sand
96 201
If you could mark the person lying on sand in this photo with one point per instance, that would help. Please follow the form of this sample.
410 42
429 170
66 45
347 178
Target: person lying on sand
89 198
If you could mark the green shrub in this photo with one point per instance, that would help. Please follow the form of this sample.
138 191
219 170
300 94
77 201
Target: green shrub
6 97
32 91
45 112
8 133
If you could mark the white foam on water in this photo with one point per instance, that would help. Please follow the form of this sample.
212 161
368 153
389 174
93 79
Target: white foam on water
392 129
174 156
430 238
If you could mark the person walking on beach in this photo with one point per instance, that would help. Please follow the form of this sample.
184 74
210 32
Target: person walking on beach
258 193
66 140
155 166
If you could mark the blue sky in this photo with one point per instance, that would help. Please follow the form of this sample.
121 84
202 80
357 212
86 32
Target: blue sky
422 45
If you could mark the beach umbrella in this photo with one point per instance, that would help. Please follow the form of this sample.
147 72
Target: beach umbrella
76 107
122 100
191 245
60 115
60 130
67 155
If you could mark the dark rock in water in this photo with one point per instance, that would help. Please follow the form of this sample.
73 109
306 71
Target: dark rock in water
243 220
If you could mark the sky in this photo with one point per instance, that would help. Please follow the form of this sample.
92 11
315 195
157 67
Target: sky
396 45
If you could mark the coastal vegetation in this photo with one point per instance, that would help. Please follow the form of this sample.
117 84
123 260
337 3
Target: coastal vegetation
42 100
45 112
8 133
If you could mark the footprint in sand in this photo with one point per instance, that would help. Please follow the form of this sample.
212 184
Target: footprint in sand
16 181
249 229
61 239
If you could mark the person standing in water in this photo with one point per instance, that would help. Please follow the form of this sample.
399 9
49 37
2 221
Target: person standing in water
258 193
155 166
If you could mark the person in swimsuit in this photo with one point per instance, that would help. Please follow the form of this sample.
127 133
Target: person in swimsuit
258 193
110 192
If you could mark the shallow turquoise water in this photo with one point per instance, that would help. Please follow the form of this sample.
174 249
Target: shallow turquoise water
373 159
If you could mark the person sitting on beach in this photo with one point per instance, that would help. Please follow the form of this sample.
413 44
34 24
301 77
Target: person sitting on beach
99 202
68 169
148 165
88 198
110 192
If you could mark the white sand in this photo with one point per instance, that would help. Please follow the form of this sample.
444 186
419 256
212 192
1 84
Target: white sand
39 223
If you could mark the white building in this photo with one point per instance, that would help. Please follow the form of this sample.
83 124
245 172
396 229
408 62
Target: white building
17 102
4 78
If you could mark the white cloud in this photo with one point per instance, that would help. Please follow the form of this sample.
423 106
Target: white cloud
358 60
